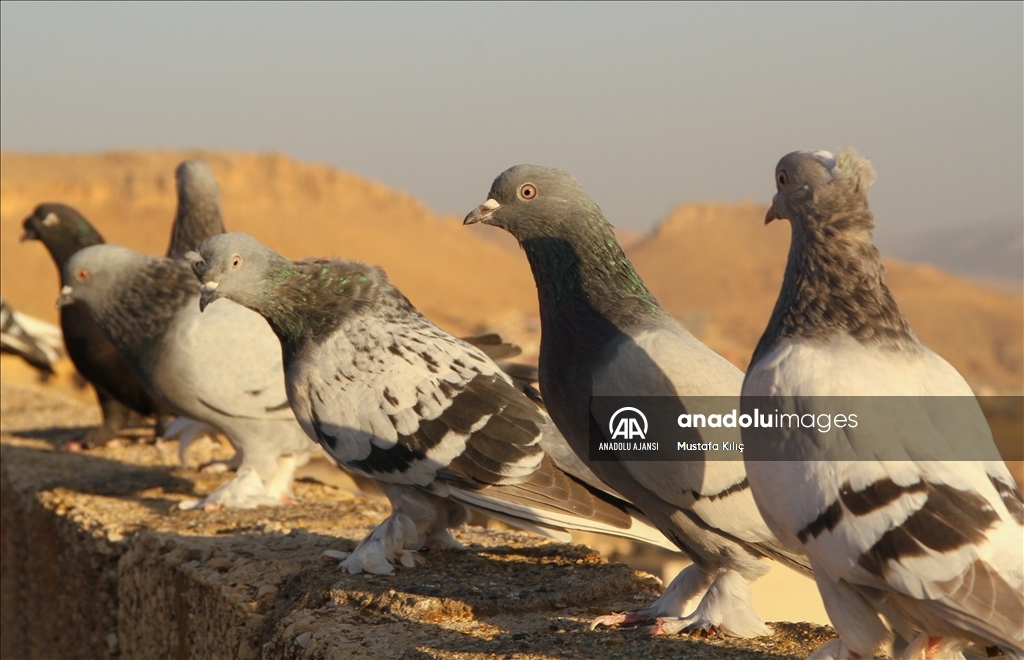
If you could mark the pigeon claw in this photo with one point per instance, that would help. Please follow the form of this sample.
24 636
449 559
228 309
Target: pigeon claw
620 619
333 556
663 626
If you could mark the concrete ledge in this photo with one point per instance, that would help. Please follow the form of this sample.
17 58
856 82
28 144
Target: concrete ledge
96 563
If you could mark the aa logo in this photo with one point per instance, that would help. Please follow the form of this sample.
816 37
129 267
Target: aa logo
628 424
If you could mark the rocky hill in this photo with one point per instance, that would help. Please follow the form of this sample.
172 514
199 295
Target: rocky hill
715 266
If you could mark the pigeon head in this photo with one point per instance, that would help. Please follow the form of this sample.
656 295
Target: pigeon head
94 275
814 187
198 216
573 253
61 229
530 201
233 266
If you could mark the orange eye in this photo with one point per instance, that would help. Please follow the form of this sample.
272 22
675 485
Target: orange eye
527 191
782 178
82 275
236 261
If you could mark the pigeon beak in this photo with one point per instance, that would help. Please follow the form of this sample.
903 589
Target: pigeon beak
29 235
65 297
207 294
772 213
482 213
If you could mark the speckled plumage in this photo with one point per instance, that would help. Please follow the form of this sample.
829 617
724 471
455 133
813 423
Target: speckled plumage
833 284
391 396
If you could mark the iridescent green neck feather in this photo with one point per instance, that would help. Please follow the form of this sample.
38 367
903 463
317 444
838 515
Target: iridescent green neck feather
583 268
305 301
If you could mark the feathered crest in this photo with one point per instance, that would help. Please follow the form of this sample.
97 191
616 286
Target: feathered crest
855 167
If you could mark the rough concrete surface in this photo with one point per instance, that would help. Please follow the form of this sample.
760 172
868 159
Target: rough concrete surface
98 563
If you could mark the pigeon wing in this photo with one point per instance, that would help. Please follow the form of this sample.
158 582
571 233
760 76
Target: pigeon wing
415 406
879 508
665 360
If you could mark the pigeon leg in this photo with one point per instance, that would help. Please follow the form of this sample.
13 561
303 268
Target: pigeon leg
186 431
163 422
925 647
384 545
863 632
280 485
725 608
245 491
690 582
116 416
417 520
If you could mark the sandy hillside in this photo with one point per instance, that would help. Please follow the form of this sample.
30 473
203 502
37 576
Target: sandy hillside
300 209
715 266
718 269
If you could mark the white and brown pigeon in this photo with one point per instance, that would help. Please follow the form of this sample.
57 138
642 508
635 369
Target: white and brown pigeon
605 335
911 521
392 397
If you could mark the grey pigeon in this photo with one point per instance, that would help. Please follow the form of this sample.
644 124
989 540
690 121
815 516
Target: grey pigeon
37 342
899 536
123 397
221 368
604 334
392 397
198 216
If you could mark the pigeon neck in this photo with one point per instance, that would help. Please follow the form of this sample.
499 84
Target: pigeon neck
308 300
196 221
140 311
587 278
834 286
81 236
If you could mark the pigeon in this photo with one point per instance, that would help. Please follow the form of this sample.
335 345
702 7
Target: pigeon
392 397
604 334
37 342
123 398
198 216
222 368
900 538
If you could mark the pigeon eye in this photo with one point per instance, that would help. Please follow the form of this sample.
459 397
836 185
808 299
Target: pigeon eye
527 191
236 261
82 275
782 178
50 220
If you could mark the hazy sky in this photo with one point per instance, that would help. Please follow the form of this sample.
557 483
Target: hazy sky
647 105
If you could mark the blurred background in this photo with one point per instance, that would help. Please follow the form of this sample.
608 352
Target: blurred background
367 131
